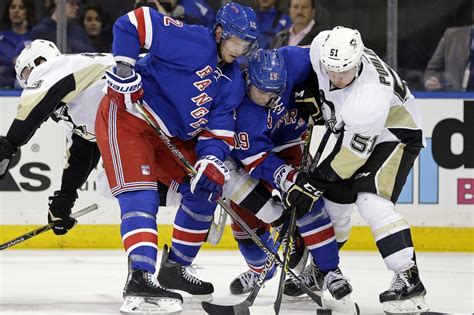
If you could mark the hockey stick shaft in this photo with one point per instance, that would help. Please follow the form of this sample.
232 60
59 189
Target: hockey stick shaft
45 228
191 172
286 258
319 152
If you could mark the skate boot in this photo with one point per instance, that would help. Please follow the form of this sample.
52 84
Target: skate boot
406 293
311 276
245 282
173 275
143 295
337 284
298 253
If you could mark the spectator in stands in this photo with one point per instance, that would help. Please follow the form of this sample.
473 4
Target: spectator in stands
451 68
18 18
270 21
93 21
77 39
190 11
304 27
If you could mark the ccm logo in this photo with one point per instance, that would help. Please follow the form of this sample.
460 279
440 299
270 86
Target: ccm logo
312 190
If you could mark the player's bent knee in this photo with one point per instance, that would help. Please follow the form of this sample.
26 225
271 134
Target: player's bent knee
376 210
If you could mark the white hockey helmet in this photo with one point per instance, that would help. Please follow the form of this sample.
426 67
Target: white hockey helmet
29 57
341 49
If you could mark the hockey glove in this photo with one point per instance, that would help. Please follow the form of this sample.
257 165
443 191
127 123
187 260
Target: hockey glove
297 189
6 149
302 195
6 154
308 107
210 179
59 213
124 91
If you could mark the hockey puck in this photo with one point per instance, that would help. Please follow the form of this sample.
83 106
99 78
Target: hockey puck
323 311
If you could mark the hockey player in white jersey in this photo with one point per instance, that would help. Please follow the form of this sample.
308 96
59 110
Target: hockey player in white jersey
67 88
378 127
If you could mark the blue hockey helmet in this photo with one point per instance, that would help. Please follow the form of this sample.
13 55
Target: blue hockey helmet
267 71
237 20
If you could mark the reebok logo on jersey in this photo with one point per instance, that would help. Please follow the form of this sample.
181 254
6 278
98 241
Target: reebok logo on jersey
360 175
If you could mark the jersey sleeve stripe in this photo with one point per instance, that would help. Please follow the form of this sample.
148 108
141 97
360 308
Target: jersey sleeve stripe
140 25
148 27
288 145
252 162
224 135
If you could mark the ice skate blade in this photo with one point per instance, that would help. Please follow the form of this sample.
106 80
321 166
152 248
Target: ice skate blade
198 298
414 305
136 305
296 298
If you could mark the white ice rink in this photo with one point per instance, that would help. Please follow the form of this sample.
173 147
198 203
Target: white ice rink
91 282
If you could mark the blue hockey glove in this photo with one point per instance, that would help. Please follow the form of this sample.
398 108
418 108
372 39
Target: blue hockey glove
210 179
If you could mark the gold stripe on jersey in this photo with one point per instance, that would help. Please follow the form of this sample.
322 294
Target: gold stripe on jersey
84 78
386 229
28 103
387 174
244 190
346 162
399 117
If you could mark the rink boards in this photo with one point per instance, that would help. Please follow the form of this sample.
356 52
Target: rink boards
437 200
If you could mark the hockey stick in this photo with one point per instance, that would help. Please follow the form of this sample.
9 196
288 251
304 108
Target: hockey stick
192 172
292 228
216 230
45 228
286 258
242 308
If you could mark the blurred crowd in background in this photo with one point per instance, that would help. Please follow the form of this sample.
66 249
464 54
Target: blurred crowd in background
435 47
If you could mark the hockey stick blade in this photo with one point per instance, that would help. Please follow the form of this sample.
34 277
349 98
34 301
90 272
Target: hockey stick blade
238 309
45 228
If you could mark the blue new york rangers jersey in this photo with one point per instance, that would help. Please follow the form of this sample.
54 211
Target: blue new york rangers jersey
261 132
185 91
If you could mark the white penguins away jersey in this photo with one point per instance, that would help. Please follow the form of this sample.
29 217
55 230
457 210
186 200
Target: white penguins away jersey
376 107
67 88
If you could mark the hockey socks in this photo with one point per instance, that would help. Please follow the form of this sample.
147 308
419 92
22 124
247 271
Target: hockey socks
318 234
139 229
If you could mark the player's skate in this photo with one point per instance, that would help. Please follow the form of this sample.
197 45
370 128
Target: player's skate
337 284
245 282
406 293
143 295
173 275
311 276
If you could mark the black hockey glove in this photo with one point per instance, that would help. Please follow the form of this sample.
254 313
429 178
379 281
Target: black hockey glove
307 100
6 149
302 195
59 213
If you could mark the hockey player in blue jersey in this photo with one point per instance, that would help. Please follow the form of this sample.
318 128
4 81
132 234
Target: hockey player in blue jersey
269 130
190 85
